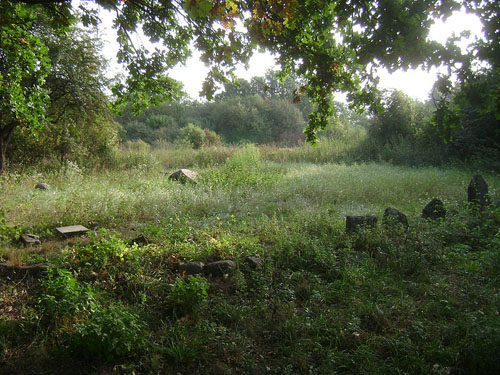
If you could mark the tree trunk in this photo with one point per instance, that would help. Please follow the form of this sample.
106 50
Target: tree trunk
3 156
5 136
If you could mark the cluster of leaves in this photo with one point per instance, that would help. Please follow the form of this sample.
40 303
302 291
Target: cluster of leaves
328 44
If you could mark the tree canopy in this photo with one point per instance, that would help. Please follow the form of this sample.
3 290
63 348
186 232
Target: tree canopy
331 45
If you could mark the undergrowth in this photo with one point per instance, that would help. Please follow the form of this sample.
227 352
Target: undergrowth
422 300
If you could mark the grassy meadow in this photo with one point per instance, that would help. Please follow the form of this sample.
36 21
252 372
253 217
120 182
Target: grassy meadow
382 301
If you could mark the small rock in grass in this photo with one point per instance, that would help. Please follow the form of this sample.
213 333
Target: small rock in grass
29 239
184 175
393 217
353 223
42 186
434 210
477 193
140 240
192 268
219 268
253 262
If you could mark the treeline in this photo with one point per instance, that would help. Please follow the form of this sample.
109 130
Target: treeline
459 122
260 111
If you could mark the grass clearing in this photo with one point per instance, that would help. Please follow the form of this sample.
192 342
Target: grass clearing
423 301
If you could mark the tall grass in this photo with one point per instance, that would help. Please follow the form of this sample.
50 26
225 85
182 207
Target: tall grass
384 301
245 185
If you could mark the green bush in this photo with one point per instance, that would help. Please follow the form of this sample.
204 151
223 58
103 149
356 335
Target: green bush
193 135
63 296
188 295
108 333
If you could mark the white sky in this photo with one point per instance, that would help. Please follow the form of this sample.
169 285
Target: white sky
415 83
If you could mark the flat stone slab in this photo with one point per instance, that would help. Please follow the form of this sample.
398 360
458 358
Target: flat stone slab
29 239
72 229
32 269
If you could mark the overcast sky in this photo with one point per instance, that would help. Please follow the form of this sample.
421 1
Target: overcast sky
415 83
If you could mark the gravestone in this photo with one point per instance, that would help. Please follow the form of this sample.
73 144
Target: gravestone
219 268
32 269
394 217
192 268
184 175
42 186
353 223
434 210
140 240
29 239
477 193
72 230
253 261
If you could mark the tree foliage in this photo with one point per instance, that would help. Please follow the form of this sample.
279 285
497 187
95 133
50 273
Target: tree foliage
332 45
24 65
80 124
244 112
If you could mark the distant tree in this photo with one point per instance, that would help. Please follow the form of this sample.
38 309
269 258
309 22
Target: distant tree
468 113
397 120
80 123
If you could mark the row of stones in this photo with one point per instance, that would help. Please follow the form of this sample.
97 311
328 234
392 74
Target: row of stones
477 196
219 268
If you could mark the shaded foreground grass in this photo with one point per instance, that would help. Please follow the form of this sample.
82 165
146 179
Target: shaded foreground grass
423 301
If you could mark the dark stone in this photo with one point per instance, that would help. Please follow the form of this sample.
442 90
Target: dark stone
434 210
253 262
192 268
184 175
32 269
29 239
353 223
219 268
394 217
42 186
140 240
477 193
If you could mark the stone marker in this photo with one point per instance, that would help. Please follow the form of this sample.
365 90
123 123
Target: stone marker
140 240
219 268
253 262
353 223
434 210
184 175
29 239
477 193
32 269
394 217
191 268
72 230
42 186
